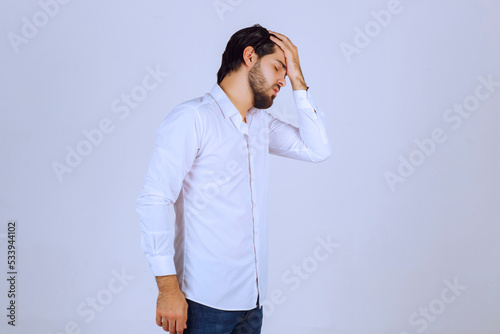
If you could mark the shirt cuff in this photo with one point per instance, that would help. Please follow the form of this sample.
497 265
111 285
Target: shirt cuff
304 101
162 265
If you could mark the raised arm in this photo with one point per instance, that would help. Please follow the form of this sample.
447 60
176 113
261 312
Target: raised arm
309 141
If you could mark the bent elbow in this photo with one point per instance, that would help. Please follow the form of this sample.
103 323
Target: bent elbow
323 157
320 156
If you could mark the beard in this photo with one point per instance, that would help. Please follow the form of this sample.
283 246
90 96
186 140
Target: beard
261 97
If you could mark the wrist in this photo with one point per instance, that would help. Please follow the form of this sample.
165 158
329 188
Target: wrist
167 283
299 84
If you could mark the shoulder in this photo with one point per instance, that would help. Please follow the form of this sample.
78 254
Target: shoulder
198 108
181 121
188 119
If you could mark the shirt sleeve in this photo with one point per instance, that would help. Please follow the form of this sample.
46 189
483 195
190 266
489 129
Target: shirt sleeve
309 141
175 149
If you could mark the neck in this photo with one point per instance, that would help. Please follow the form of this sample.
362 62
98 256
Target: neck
238 91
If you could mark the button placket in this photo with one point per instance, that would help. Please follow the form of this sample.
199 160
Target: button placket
252 192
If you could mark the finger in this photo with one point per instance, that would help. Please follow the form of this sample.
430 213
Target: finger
275 39
275 35
180 327
283 44
285 40
280 36
278 43
167 325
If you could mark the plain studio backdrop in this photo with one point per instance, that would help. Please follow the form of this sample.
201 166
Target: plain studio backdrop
397 232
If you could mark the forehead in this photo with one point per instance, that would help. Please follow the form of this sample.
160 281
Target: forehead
276 56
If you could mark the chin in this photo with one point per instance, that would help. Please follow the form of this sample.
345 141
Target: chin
268 103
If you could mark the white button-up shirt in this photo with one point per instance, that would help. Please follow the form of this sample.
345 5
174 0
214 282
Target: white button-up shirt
212 168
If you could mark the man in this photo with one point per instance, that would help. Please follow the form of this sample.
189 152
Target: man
210 162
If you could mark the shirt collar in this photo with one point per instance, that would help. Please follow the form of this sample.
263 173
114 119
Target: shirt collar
228 108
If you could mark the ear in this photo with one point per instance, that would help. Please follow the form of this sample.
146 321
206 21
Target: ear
249 56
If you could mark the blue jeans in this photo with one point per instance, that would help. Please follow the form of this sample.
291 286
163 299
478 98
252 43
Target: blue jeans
206 320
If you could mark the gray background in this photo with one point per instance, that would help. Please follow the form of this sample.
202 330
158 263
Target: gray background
397 246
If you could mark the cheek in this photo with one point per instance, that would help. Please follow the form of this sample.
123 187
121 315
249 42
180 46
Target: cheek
269 75
265 70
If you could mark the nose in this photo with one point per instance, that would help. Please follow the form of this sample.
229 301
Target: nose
282 82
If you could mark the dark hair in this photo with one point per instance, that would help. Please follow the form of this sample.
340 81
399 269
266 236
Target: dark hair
232 58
